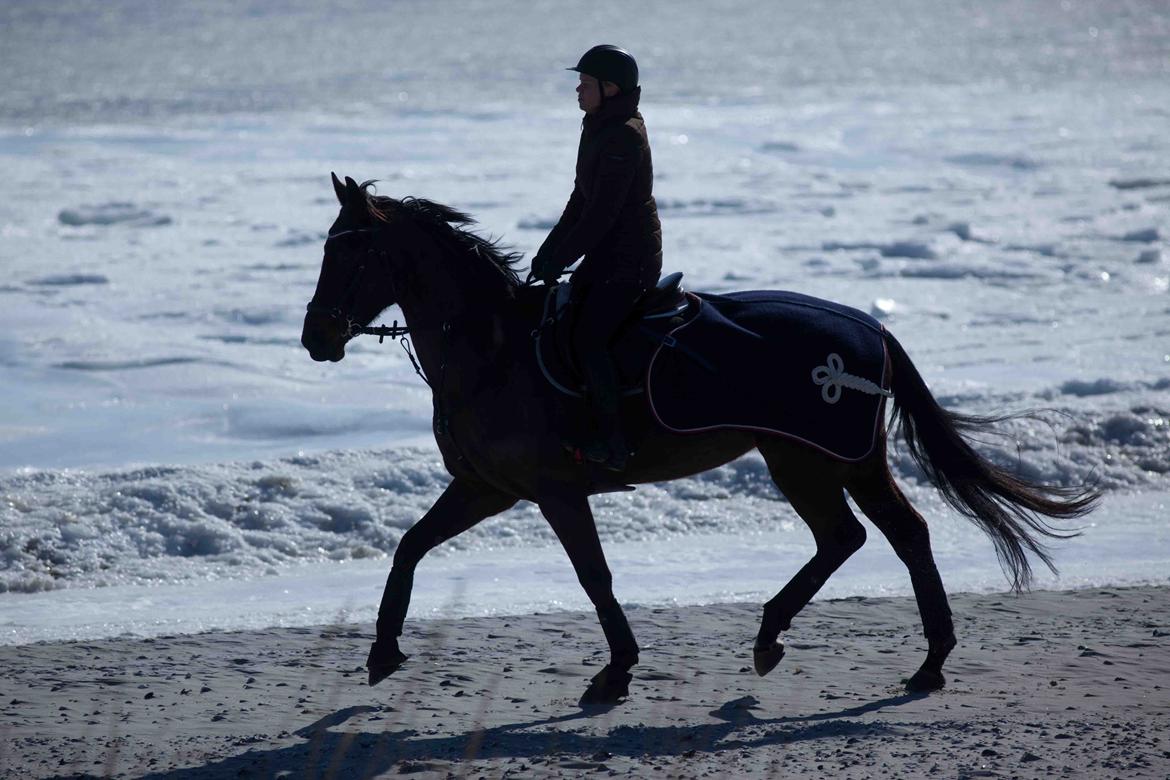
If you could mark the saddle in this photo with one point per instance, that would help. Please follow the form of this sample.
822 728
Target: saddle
660 310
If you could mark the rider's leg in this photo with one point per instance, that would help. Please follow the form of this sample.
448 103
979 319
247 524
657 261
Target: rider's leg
603 395
602 309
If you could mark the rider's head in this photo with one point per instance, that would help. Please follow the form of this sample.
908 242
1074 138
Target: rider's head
605 71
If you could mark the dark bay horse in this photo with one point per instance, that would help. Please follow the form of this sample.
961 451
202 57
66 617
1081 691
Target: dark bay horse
496 424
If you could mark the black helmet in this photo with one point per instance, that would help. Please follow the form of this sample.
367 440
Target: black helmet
609 63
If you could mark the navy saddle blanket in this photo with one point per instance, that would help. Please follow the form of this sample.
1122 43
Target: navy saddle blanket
775 362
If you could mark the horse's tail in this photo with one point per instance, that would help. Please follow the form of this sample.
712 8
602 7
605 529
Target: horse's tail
1008 507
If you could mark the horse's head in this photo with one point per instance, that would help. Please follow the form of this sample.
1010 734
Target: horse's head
412 252
354 285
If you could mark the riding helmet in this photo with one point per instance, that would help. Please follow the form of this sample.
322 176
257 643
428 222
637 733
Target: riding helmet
610 63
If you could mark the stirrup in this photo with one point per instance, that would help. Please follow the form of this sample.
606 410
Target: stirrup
613 455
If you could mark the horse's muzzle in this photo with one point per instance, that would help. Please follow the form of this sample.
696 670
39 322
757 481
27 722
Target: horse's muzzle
323 339
323 357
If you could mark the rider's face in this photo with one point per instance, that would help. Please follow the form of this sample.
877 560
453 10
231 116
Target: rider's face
588 94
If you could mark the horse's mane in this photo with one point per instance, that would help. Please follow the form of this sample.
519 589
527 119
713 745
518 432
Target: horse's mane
447 224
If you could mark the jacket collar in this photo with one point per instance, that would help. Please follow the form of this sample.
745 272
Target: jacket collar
620 107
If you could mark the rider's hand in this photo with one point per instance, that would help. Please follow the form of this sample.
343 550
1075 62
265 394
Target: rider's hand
544 269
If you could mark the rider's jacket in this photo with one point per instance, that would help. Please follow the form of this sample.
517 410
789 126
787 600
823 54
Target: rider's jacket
611 217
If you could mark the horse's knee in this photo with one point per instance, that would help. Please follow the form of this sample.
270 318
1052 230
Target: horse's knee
843 540
853 538
413 545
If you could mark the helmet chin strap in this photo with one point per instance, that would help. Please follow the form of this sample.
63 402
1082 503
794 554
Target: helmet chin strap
601 92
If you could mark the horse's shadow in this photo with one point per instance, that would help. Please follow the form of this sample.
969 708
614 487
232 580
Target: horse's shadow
327 753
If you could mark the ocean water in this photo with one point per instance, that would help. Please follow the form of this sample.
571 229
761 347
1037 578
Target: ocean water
991 181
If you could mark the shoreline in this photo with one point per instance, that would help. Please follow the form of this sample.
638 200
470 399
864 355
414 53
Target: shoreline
1073 683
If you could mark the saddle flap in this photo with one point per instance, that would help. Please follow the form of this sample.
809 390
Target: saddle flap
636 340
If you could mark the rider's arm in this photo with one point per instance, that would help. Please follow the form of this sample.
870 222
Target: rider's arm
615 171
568 218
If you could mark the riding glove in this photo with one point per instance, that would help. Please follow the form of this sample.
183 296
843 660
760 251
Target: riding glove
544 269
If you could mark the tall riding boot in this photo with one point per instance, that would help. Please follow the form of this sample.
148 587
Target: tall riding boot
609 446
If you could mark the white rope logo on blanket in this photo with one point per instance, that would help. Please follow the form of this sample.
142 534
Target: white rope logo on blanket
832 377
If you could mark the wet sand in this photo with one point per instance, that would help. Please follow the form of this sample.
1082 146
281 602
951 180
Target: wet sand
1067 684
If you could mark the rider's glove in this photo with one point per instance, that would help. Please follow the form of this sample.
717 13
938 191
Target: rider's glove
544 269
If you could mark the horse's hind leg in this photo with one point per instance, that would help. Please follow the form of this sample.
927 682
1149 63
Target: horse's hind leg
813 486
878 496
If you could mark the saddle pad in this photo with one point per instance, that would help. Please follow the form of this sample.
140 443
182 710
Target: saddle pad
775 362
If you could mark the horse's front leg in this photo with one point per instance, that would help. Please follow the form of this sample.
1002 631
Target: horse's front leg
463 504
571 518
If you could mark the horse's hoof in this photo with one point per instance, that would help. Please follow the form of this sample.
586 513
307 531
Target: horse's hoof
382 666
766 658
925 680
608 687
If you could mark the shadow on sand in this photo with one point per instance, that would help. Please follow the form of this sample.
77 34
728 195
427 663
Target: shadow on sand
327 754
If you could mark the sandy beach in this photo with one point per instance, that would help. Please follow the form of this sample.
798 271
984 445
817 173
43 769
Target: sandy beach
1069 684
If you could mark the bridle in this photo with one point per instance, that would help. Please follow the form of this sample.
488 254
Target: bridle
341 311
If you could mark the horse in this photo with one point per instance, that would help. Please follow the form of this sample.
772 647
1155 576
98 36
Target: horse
496 420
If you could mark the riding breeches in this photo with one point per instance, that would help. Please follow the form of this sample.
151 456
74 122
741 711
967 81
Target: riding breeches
601 309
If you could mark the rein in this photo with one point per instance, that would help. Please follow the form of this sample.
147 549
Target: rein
394 331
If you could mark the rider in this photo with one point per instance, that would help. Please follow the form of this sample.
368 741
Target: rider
612 220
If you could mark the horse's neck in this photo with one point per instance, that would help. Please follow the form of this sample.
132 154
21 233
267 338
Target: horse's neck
456 341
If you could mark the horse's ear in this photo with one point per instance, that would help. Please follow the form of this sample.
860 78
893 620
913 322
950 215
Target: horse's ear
338 188
353 192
